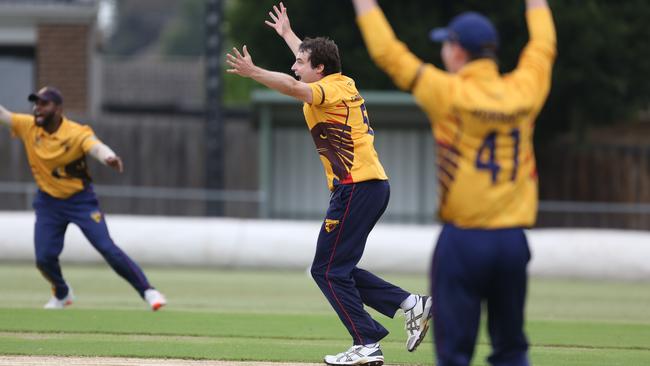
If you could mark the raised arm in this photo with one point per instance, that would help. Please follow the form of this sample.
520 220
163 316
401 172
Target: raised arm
5 116
280 22
532 4
243 65
534 69
363 6
391 55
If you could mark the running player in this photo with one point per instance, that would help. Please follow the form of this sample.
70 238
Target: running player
56 149
483 126
338 121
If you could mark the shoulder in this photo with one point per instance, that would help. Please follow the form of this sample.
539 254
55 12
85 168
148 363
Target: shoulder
77 129
22 118
341 83
74 125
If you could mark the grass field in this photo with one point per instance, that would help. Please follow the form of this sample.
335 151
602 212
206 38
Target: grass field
282 316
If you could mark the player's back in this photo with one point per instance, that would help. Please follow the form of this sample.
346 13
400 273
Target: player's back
486 164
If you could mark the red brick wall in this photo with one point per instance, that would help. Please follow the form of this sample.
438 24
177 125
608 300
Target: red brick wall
62 61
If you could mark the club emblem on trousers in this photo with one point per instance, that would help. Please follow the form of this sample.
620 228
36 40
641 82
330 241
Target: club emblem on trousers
96 216
330 225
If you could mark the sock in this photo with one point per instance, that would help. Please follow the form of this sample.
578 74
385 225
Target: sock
409 302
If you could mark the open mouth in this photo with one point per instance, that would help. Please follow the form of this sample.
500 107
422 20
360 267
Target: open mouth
39 118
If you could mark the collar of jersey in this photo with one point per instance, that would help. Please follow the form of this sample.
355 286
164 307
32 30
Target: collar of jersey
331 76
43 133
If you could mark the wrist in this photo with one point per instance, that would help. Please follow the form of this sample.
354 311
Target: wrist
287 34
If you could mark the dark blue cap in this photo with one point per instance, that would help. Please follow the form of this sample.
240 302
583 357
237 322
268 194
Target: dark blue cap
473 31
48 94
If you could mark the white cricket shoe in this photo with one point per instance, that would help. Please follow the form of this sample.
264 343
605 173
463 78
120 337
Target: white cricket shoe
417 322
55 303
358 355
155 299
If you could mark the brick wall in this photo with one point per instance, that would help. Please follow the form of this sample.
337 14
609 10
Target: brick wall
62 61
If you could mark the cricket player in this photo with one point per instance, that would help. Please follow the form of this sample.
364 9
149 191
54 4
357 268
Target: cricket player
483 125
337 118
56 149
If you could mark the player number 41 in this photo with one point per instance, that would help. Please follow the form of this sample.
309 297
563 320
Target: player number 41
486 154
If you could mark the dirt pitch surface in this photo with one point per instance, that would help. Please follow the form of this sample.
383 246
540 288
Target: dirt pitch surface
110 361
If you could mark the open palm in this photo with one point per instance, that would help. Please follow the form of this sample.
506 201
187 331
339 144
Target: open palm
279 20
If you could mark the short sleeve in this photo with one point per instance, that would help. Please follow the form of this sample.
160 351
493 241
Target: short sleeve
87 138
20 123
324 94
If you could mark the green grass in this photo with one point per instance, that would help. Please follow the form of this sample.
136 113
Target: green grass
281 316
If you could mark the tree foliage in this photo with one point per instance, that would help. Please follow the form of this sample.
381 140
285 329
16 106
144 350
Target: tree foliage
601 74
186 35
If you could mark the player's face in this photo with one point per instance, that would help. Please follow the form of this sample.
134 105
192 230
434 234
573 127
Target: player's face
303 69
45 112
454 57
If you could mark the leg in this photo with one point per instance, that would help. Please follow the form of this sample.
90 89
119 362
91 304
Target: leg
374 291
354 210
456 300
377 293
506 302
49 232
92 223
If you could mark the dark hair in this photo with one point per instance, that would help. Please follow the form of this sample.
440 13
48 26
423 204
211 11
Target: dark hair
488 51
323 51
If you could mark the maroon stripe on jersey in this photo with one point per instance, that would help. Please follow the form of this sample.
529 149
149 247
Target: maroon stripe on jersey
323 92
337 114
347 116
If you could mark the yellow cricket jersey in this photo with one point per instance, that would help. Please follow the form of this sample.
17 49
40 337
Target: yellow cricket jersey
57 160
482 122
338 122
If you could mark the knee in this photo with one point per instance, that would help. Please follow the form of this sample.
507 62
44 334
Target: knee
44 261
318 273
336 275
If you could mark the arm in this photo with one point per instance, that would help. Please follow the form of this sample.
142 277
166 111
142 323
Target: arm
535 65
429 85
361 7
106 156
243 65
391 55
282 26
5 116
532 4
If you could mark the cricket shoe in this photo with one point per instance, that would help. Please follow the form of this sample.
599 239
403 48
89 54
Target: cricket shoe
155 299
369 355
56 303
417 322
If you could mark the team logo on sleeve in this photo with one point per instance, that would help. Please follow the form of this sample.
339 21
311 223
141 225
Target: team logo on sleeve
330 225
96 216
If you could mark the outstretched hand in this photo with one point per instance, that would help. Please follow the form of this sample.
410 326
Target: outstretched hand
280 20
241 65
115 162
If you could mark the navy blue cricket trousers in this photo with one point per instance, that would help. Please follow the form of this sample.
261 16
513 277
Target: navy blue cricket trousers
471 266
52 218
353 212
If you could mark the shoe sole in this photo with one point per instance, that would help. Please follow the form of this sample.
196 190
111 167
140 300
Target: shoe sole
424 326
65 305
367 363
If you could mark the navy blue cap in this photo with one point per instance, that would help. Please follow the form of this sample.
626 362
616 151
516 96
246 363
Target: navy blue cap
473 31
48 94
